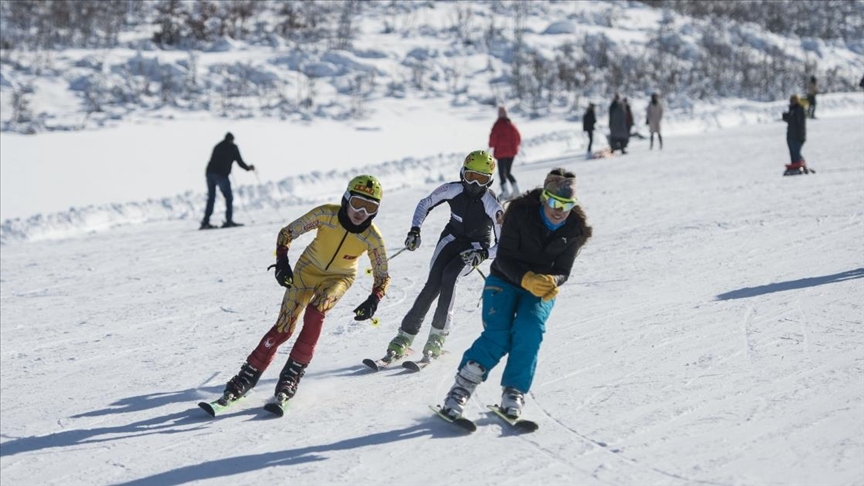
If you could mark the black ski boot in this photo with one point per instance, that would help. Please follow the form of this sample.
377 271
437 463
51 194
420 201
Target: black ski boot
289 380
242 382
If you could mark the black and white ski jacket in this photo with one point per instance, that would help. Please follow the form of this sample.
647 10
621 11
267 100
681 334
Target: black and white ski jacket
472 218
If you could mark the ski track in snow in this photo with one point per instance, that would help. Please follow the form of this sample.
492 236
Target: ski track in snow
711 333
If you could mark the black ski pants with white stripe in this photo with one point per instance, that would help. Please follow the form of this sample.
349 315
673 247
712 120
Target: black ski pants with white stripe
444 271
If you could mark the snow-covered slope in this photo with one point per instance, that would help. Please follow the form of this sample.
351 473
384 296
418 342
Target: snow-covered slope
711 334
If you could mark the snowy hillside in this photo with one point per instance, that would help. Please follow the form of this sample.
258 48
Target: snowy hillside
712 331
711 334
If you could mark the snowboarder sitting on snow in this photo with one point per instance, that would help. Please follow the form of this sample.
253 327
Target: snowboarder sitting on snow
320 277
796 132
474 215
504 142
543 232
218 169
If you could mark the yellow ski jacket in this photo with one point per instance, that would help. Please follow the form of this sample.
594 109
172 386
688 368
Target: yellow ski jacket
335 250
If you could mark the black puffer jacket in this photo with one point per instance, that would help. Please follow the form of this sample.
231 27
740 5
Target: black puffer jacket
589 119
224 154
526 243
797 123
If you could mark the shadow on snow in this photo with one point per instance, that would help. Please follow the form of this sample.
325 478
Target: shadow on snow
220 468
791 285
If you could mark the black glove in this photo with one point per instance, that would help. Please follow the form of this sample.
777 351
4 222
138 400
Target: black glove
284 274
412 241
473 257
367 309
251 168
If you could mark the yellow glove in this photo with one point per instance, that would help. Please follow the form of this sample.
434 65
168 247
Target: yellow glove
550 295
538 285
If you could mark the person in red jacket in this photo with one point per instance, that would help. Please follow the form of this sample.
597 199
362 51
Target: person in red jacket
505 140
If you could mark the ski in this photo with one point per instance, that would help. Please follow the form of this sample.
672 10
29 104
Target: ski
522 425
418 365
460 422
278 406
217 407
386 361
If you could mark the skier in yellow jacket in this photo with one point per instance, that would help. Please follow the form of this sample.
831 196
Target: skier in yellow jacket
320 277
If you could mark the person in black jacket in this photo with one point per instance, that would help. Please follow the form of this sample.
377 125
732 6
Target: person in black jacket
542 233
589 119
796 130
218 169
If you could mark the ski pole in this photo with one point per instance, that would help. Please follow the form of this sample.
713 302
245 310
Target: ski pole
374 322
242 205
484 278
369 269
261 184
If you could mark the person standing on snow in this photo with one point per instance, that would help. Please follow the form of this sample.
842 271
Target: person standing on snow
504 142
655 114
796 132
218 170
589 119
812 91
618 131
543 232
324 272
475 215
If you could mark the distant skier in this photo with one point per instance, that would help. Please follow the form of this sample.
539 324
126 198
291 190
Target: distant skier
475 216
812 91
218 170
796 135
589 119
618 131
655 114
504 141
321 276
543 232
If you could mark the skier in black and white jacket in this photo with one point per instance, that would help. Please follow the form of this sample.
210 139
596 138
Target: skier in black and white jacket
475 218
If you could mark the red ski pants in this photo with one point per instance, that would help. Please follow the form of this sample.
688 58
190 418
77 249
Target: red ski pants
315 291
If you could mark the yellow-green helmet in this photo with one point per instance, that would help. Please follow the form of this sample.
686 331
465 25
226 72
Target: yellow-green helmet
480 161
366 186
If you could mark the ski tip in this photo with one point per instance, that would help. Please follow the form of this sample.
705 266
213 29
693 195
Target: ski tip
207 408
371 364
411 365
275 409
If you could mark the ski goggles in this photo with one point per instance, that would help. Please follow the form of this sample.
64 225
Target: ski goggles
557 202
359 204
474 177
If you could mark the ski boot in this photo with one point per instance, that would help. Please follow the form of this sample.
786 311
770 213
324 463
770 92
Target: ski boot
798 168
512 401
289 380
399 345
435 342
505 192
467 380
515 191
243 381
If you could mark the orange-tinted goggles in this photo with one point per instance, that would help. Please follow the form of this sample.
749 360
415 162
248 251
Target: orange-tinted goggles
475 177
556 202
358 203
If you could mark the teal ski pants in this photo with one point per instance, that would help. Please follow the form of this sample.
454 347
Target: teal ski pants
514 322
